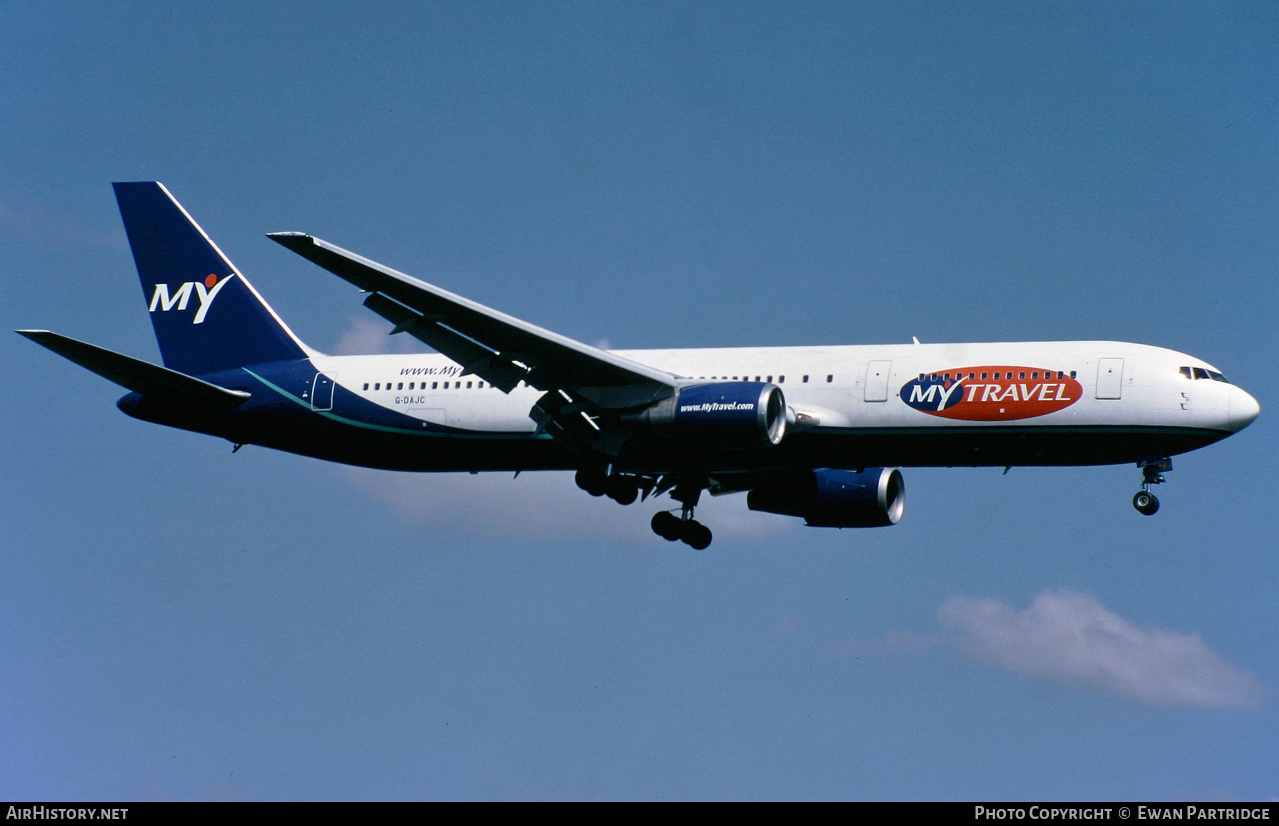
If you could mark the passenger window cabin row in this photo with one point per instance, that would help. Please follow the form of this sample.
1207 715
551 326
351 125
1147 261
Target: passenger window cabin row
435 385
479 385
1193 373
996 376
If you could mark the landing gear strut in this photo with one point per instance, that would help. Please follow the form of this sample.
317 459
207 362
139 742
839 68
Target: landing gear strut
684 527
1151 474
626 488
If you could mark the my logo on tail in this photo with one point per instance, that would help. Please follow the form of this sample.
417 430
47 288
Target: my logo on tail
207 290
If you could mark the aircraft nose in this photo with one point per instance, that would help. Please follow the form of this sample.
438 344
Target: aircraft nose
1243 409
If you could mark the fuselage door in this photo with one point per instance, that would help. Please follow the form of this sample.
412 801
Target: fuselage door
322 391
1110 378
877 381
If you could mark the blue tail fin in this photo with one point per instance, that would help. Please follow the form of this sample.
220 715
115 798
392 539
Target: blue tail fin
207 317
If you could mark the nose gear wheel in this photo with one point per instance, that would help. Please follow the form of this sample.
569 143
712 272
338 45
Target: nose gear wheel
1146 503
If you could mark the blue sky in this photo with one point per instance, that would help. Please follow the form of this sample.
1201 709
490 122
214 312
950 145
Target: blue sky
180 623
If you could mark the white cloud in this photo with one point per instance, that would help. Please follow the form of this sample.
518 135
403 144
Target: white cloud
365 335
1072 638
542 506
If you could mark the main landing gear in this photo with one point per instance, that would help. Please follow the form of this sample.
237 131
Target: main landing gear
683 527
620 488
1151 474
625 489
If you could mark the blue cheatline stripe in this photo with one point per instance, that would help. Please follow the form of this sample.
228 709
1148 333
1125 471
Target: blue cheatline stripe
328 414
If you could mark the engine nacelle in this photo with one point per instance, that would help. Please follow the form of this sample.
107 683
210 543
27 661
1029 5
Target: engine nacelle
723 414
826 498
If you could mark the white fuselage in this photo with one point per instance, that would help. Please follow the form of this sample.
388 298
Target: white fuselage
1079 383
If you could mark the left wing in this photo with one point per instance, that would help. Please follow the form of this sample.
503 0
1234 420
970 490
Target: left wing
498 348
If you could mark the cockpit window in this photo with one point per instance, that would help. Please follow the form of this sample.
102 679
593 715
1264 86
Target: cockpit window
1202 373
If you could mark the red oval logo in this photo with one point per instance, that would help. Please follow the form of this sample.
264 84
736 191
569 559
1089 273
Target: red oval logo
993 393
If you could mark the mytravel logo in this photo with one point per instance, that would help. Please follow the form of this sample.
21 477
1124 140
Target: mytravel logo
992 393
164 299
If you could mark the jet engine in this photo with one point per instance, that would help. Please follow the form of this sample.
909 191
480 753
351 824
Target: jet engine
827 498
723 414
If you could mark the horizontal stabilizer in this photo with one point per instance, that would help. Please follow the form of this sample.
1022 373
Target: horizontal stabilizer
141 377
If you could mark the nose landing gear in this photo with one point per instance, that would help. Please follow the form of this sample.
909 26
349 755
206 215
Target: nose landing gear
1145 502
1151 474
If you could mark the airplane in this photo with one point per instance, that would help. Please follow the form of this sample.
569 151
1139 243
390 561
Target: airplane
819 433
